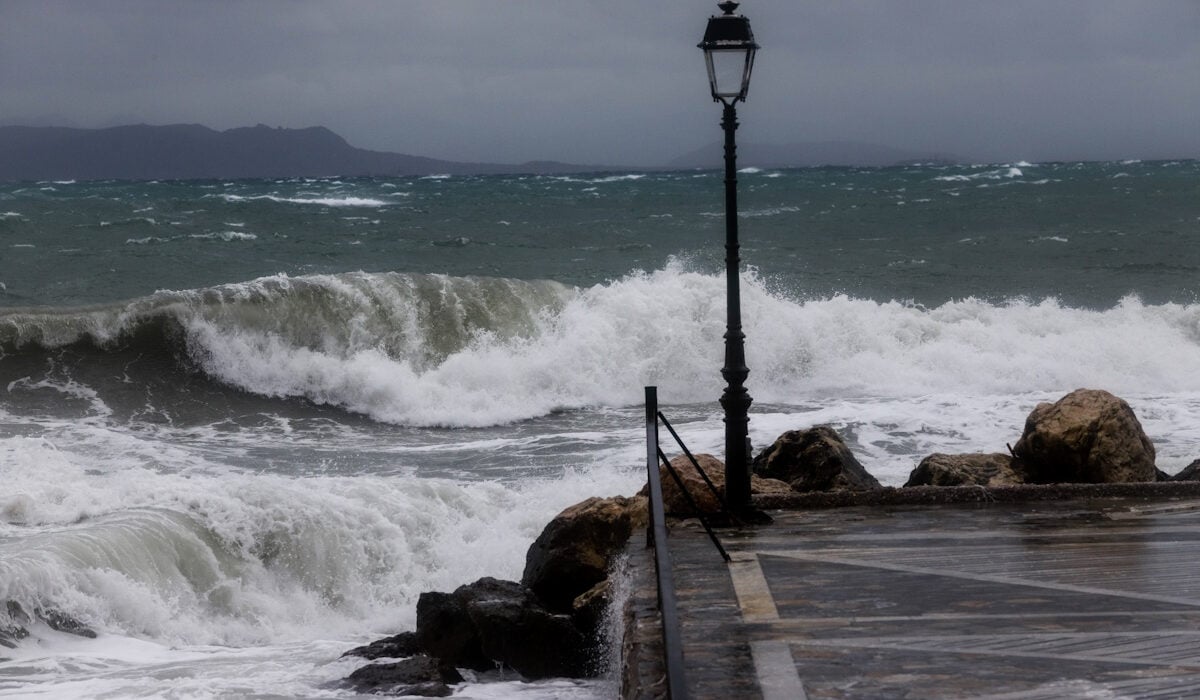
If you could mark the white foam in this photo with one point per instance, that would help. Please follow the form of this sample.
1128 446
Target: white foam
206 555
618 178
597 180
143 219
996 174
226 236
323 201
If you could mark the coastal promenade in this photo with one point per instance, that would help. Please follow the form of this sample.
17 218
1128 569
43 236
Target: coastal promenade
1012 598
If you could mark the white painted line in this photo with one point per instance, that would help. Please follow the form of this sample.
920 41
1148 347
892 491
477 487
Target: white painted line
753 594
776 669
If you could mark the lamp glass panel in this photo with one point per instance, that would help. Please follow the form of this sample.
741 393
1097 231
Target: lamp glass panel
727 68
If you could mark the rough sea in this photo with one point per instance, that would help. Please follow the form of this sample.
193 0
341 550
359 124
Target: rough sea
243 424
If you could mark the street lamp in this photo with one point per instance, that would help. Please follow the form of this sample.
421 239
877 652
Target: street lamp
729 50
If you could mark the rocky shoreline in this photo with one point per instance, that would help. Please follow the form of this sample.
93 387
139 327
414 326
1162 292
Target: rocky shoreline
551 623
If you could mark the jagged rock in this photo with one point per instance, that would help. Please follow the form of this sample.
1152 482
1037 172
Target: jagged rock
395 647
814 460
58 620
14 628
519 633
1088 436
419 675
675 503
587 610
1189 473
10 634
491 622
575 549
444 630
995 469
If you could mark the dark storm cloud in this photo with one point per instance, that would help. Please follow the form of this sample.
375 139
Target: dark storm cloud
620 82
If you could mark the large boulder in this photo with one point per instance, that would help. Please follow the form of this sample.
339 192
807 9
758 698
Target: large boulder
995 469
706 502
1088 436
814 460
519 633
444 630
420 675
492 622
575 549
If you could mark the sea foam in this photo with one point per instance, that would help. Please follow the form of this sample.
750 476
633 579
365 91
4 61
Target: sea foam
207 555
323 201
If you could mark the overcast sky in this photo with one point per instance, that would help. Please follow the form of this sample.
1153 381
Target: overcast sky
621 82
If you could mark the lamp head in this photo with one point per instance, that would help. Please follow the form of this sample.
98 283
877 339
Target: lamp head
729 50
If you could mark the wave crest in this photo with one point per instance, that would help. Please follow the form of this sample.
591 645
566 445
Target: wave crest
431 350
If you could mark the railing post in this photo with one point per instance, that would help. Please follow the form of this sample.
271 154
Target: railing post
652 457
656 536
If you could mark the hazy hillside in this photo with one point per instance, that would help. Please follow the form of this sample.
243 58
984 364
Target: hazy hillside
192 151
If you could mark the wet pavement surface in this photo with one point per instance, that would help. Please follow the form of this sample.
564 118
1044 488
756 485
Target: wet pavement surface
1085 598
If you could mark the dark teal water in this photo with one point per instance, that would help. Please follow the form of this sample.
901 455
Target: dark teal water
1085 233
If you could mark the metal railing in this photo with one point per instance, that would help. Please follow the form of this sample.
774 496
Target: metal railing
695 508
656 537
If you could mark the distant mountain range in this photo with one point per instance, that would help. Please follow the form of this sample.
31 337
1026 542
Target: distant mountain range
192 151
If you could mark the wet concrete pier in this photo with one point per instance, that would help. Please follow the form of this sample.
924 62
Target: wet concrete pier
1081 598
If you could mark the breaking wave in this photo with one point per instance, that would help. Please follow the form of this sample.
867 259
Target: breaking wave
434 350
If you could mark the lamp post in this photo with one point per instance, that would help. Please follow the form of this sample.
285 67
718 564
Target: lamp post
729 50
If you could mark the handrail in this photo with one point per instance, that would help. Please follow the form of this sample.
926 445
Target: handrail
695 465
687 495
656 536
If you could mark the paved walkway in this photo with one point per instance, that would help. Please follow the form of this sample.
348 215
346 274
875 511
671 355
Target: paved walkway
1076 599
